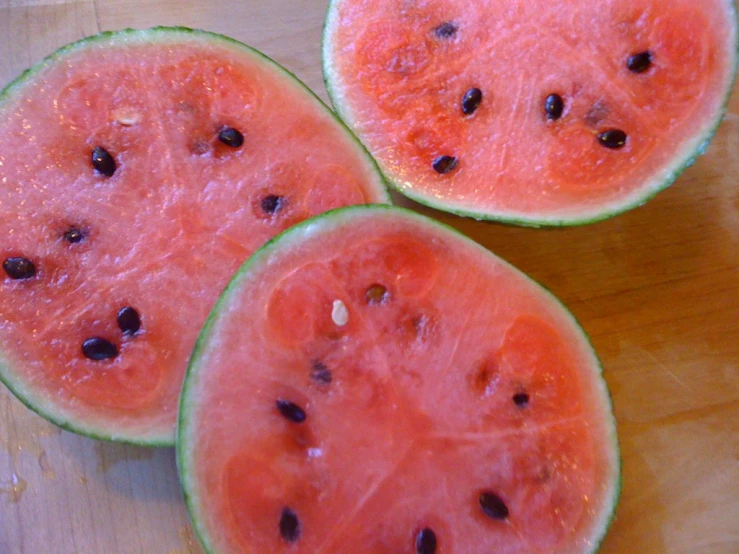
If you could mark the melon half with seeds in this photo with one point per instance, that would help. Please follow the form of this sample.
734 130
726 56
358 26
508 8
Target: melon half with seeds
537 113
138 170
373 382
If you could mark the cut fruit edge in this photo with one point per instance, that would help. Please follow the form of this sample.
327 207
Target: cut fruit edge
313 228
682 159
24 392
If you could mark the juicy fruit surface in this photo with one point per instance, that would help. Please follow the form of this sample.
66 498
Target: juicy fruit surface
399 71
164 232
451 375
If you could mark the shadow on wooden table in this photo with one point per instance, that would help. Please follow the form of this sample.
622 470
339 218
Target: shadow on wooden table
144 474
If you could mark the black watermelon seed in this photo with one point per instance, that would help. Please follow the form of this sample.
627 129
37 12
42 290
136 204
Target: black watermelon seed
639 62
98 349
230 137
471 101
444 164
377 294
103 162
613 138
445 30
291 411
129 321
321 373
289 525
272 204
19 268
521 399
493 506
554 107
426 541
73 235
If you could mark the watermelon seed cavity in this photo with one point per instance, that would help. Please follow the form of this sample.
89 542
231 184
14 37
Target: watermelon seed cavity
200 147
230 137
73 235
493 506
444 164
129 321
291 411
99 349
272 204
613 138
289 525
19 268
446 30
103 162
471 101
321 373
596 114
426 541
377 294
640 62
554 107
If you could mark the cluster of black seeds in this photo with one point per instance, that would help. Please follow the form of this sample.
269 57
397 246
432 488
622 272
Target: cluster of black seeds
554 104
128 319
19 268
98 348
425 540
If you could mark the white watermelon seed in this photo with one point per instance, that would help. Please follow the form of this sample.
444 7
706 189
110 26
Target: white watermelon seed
126 117
339 313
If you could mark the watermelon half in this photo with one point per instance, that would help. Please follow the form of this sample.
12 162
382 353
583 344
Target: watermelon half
374 382
536 113
138 170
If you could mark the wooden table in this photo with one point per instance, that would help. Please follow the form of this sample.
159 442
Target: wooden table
657 289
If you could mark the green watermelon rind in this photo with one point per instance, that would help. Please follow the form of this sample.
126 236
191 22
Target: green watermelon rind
297 233
24 392
689 154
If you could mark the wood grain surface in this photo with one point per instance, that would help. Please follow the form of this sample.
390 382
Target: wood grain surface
657 289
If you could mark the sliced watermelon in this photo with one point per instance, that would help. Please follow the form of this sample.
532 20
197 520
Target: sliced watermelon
138 170
537 113
371 381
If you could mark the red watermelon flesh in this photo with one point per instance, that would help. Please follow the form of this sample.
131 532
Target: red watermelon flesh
186 204
371 375
641 86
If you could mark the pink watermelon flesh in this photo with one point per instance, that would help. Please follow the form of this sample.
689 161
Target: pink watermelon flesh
371 375
185 206
659 72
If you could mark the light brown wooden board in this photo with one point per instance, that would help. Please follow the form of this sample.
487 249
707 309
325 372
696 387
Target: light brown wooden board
657 289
